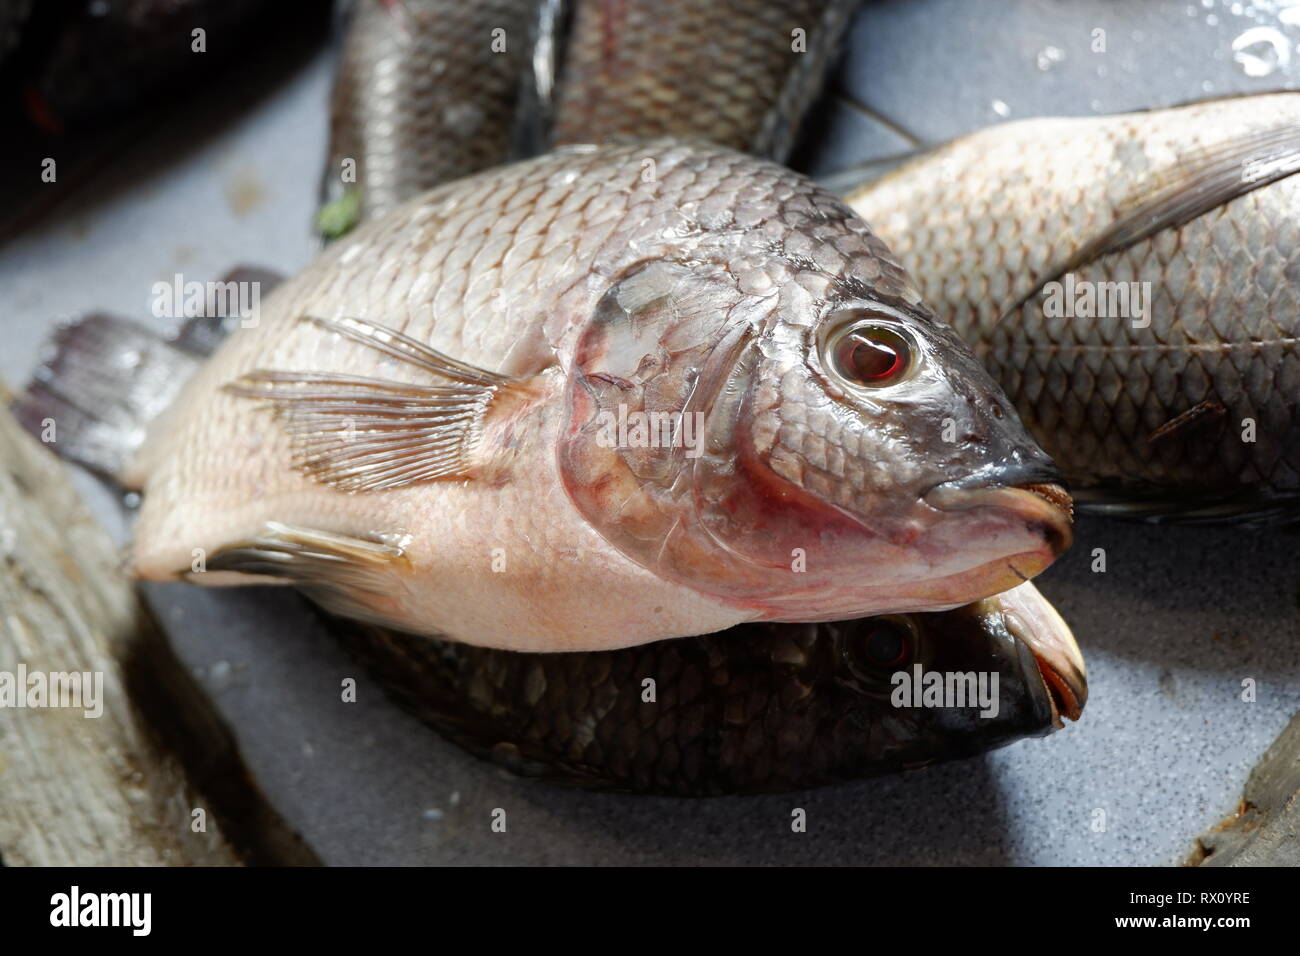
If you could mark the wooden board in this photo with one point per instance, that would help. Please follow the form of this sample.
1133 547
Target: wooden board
153 779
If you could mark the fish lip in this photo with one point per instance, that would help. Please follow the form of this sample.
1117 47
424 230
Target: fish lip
1014 470
1032 491
1033 621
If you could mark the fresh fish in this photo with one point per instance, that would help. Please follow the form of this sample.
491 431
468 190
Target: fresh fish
427 91
1188 403
586 718
758 708
634 70
453 422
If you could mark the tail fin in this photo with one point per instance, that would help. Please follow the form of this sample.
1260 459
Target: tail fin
105 380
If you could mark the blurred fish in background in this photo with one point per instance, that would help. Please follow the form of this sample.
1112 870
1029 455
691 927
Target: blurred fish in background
427 91
741 73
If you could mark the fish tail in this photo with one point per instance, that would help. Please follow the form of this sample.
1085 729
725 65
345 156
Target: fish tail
103 382
104 379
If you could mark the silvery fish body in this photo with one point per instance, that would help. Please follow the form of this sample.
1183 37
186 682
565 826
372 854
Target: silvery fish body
605 396
1131 281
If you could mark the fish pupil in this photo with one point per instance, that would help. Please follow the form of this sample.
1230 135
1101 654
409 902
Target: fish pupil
886 645
871 357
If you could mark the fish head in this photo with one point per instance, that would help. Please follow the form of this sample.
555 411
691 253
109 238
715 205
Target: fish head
873 446
898 692
775 419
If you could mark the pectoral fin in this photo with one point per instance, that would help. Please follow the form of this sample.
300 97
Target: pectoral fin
1201 181
365 434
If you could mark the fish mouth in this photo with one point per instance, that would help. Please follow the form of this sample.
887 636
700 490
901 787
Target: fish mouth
1033 494
1054 494
1031 619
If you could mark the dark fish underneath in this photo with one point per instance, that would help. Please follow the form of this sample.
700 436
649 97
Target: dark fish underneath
1132 283
758 708
740 74
427 91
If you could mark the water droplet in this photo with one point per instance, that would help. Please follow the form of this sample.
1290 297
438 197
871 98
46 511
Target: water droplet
1001 108
1095 105
1049 56
1212 20
1261 51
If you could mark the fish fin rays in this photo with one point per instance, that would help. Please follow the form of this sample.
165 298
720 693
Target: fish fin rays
1172 197
1201 181
345 575
367 434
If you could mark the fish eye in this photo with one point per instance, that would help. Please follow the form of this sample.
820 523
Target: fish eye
886 644
877 647
870 354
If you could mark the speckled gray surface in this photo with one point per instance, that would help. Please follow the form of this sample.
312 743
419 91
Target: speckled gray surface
1179 618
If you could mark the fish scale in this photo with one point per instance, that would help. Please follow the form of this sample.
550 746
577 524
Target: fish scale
1225 303
628 73
759 708
425 93
418 429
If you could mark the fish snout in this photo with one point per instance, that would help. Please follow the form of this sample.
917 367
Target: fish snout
1032 491
1031 619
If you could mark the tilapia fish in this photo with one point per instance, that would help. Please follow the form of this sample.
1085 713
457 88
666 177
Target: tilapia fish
633 69
605 396
1131 281
758 708
427 91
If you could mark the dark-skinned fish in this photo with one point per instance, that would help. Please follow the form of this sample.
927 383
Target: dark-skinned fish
426 91
758 708
739 74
